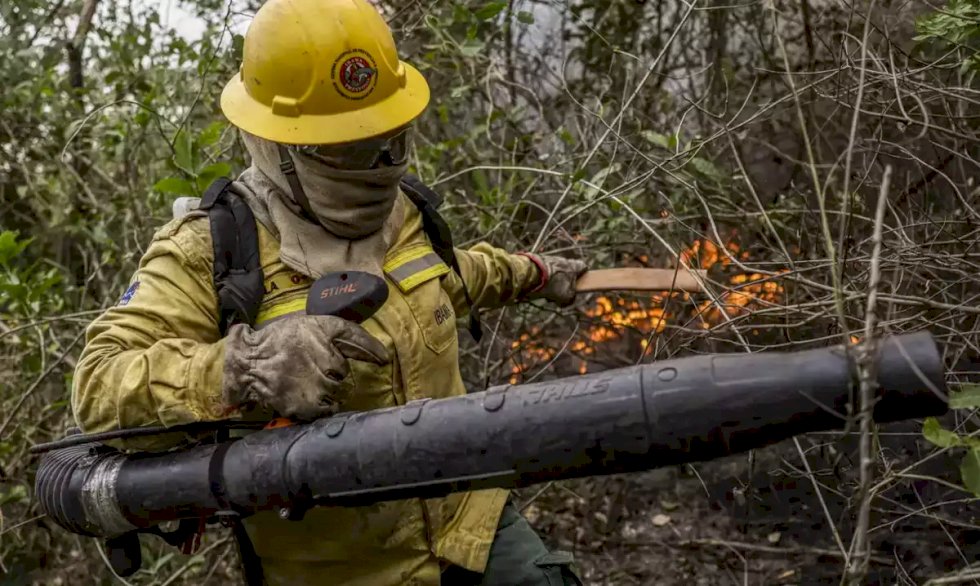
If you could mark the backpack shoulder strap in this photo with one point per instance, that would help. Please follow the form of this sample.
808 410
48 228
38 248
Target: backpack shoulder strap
415 189
440 236
238 277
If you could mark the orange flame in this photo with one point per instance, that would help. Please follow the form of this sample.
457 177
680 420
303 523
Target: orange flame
610 318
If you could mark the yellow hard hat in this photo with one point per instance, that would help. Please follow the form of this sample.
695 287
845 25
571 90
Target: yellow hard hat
322 72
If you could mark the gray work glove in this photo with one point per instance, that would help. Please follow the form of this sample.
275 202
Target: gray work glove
558 278
296 366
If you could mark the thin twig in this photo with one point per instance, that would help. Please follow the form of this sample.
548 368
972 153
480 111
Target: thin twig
47 320
195 560
21 524
30 390
751 547
819 493
964 575
857 568
108 564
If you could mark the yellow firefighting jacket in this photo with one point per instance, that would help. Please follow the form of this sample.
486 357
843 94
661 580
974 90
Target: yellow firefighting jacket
157 357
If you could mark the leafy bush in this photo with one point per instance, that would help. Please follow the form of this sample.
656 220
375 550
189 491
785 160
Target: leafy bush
967 399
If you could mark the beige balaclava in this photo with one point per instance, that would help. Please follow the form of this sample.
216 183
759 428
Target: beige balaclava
359 213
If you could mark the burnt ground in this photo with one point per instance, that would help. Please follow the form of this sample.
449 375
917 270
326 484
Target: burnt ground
758 520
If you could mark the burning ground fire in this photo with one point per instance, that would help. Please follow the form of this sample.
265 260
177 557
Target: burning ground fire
611 319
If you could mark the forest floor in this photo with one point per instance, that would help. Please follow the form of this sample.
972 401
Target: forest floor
736 521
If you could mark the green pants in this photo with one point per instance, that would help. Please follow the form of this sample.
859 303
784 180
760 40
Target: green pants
518 557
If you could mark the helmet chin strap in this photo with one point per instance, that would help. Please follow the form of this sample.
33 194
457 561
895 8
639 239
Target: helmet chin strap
288 169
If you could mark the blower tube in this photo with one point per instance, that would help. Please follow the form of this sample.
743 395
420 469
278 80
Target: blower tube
622 420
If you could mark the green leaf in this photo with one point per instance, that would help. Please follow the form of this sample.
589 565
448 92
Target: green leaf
175 185
661 140
705 168
184 152
161 562
471 48
10 247
935 434
142 117
458 91
480 178
211 134
970 471
16 494
599 178
57 405
238 46
490 10
208 174
461 13
566 136
525 17
73 127
967 398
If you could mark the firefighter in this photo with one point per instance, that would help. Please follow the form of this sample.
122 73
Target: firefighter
325 109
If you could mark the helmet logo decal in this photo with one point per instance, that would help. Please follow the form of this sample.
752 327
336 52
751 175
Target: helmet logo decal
354 74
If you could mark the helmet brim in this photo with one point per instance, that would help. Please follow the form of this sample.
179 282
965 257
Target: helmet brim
396 110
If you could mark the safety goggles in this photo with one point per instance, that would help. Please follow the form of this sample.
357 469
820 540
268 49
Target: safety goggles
370 153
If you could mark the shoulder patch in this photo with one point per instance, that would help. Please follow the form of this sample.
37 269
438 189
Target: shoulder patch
129 294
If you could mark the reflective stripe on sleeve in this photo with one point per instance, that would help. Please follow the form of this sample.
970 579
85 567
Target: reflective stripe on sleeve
414 266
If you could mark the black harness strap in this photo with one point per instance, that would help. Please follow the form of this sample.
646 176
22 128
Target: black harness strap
441 238
238 280
238 277
288 168
251 565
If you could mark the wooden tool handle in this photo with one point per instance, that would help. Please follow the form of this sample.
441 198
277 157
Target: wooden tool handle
639 279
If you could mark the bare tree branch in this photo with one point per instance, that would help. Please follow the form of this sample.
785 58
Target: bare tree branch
76 45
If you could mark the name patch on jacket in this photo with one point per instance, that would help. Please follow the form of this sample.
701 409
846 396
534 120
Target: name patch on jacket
285 281
443 313
414 265
284 294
